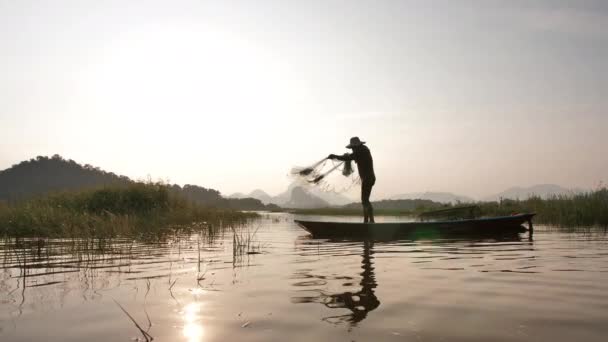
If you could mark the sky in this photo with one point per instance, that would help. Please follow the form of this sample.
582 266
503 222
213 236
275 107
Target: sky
469 97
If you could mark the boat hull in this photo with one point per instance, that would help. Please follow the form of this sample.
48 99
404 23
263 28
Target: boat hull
478 227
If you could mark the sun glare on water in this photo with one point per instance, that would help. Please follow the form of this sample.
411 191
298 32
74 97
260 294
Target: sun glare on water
193 329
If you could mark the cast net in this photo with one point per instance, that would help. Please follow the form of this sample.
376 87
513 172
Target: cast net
323 175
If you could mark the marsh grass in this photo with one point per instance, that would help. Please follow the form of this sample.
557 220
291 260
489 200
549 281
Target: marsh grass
244 241
575 210
25 257
138 209
338 211
144 333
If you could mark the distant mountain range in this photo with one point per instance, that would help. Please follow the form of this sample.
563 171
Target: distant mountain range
311 197
306 197
298 196
542 190
441 197
399 204
43 175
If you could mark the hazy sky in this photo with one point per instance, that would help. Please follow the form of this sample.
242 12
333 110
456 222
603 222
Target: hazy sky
463 96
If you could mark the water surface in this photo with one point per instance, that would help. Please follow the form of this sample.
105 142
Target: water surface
284 285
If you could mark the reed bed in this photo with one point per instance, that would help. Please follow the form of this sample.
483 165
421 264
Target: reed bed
340 211
244 241
139 209
576 210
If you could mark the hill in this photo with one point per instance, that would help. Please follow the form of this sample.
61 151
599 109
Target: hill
384 207
257 194
287 199
441 197
396 205
43 175
261 195
542 190
302 199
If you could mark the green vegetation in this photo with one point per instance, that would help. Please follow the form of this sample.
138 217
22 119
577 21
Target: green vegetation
577 210
43 175
403 207
585 209
135 209
343 211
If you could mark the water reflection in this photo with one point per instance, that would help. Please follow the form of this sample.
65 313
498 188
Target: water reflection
457 289
341 290
193 329
359 303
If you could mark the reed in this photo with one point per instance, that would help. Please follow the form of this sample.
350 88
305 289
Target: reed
141 208
340 211
574 210
244 241
584 209
144 333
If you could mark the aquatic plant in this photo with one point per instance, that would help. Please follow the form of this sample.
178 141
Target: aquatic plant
583 209
140 208
244 241
574 210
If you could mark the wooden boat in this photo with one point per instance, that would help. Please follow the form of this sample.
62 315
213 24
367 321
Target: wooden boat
479 227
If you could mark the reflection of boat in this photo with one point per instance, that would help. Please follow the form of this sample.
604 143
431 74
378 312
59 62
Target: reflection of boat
479 226
358 298
359 303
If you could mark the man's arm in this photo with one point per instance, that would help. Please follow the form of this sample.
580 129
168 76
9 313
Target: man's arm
344 157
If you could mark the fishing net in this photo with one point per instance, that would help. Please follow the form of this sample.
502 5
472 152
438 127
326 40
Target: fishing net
347 170
322 175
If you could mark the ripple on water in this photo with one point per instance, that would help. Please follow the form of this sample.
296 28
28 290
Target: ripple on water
293 287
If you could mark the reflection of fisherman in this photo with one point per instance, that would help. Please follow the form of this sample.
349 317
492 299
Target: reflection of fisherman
359 303
363 157
364 301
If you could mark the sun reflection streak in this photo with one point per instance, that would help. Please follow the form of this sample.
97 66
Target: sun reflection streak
193 330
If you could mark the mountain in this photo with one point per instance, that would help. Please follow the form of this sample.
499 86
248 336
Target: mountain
43 175
401 204
441 197
542 190
261 195
257 194
302 199
332 198
237 195
296 197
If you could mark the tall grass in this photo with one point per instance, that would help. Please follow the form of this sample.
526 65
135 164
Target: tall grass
244 241
341 211
575 210
139 208
585 209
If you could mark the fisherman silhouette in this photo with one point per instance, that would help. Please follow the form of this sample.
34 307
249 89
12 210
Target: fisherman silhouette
365 164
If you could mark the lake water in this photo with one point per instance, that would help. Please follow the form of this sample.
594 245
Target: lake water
284 285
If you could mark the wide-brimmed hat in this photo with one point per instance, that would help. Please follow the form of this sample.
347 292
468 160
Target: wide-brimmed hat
354 142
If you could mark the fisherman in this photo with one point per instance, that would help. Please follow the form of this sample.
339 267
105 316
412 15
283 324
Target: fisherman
363 157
